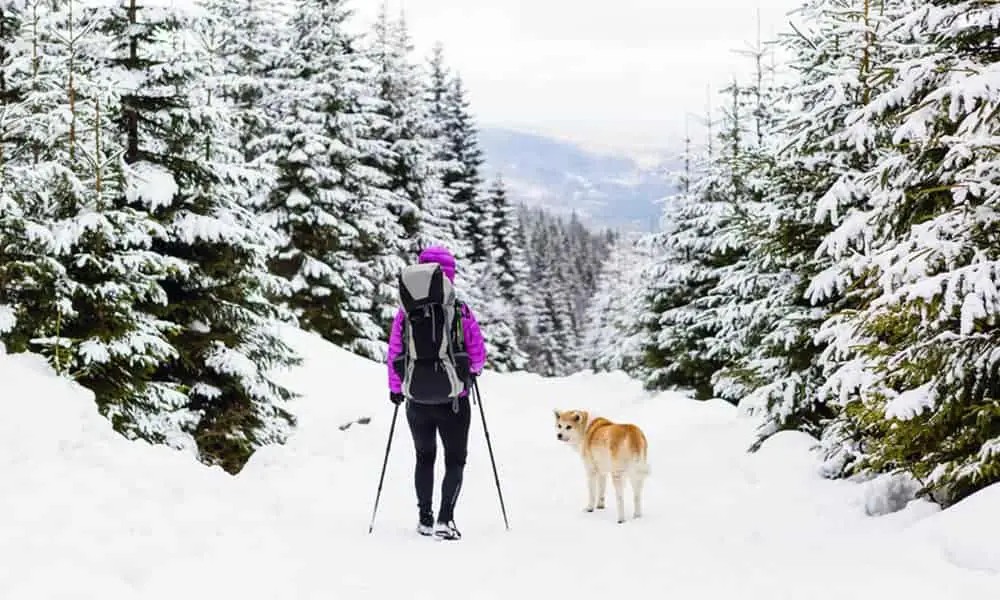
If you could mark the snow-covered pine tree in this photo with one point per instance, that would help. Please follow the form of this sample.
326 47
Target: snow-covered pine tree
464 180
509 245
329 204
673 356
493 313
811 158
444 220
88 269
558 345
666 279
529 339
583 255
179 170
742 304
460 160
613 331
841 58
699 245
921 378
553 340
404 126
29 273
728 326
104 338
504 284
245 39
405 153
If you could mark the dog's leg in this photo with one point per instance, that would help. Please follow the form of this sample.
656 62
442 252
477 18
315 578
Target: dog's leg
591 489
637 479
602 486
618 479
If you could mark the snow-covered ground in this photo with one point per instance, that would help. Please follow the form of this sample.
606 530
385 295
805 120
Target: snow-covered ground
86 514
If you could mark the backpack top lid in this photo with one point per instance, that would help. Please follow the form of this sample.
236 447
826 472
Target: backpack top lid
422 284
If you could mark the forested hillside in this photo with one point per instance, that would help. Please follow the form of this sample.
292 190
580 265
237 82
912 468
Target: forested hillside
178 180
831 261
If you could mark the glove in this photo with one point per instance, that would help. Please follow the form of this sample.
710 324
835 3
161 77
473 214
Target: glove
396 397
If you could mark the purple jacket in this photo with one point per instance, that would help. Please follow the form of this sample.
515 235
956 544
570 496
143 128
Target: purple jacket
474 342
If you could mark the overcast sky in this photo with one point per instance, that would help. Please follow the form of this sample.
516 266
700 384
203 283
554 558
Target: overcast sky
617 74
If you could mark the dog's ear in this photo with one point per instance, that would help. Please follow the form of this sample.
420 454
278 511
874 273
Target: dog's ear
577 417
558 414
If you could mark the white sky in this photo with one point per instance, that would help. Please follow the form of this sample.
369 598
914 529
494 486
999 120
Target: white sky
615 74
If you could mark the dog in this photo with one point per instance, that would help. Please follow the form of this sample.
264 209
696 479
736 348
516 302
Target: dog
615 449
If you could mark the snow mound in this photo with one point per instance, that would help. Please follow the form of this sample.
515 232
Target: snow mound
339 390
889 493
83 510
790 452
966 533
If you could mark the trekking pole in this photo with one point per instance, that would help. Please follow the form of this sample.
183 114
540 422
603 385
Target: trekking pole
385 461
496 478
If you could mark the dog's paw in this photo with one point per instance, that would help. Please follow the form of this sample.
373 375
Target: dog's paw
600 506
620 521
589 509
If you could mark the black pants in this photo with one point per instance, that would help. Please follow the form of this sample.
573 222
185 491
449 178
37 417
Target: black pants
426 422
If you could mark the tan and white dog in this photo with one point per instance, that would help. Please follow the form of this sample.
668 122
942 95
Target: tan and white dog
615 449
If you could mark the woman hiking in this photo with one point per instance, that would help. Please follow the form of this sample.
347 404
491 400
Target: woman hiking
442 415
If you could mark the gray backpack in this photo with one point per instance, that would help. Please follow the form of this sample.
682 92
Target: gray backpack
434 363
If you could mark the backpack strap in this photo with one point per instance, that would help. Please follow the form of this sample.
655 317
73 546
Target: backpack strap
458 329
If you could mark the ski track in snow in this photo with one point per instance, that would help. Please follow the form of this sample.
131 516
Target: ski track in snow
86 514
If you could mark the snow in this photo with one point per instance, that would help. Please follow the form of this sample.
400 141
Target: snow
962 533
152 185
910 403
8 318
86 513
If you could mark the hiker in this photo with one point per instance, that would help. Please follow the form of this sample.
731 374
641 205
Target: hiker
430 410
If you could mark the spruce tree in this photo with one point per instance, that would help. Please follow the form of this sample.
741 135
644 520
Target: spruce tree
811 162
740 303
405 153
106 339
463 181
444 219
508 245
221 324
502 290
31 279
245 39
920 372
613 332
328 202
691 248
837 153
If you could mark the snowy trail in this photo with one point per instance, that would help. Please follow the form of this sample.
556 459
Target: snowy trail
719 523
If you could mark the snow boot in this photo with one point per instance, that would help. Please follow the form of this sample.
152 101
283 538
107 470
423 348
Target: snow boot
447 531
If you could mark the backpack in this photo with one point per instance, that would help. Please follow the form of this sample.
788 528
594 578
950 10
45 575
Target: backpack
434 363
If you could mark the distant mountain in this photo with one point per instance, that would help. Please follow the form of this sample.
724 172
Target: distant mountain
604 190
